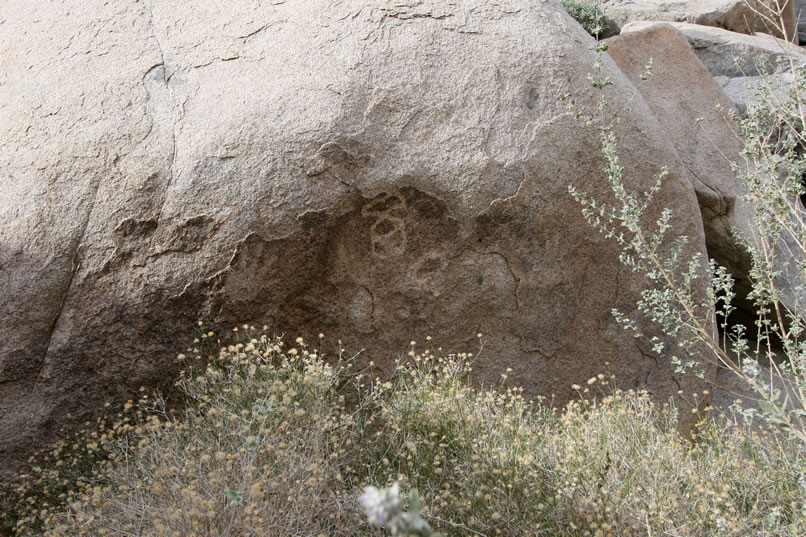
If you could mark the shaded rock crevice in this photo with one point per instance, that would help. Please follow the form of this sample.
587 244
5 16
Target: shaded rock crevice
75 267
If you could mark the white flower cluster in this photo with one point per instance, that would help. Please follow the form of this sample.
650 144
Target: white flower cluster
750 368
384 509
381 505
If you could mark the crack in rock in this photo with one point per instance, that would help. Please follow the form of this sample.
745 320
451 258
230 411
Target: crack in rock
160 97
76 264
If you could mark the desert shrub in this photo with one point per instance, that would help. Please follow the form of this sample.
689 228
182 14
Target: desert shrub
56 474
267 446
488 462
771 181
591 18
258 451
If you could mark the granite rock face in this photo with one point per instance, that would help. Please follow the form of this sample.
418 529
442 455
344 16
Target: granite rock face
377 173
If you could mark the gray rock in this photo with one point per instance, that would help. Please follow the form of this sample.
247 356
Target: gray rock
375 172
733 15
770 15
800 15
744 91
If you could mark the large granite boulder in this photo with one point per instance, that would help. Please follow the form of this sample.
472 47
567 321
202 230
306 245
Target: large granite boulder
377 172
733 15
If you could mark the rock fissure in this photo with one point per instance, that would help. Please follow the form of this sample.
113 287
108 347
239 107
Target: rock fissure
371 301
168 94
507 198
515 278
255 32
406 15
75 266
52 329
213 61
153 29
486 145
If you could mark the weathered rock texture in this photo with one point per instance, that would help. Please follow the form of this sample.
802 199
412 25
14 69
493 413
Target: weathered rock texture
733 15
375 171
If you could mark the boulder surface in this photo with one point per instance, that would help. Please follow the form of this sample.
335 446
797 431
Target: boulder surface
733 15
726 53
694 113
377 172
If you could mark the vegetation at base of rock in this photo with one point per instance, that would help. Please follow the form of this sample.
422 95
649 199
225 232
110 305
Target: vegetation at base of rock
267 446
591 18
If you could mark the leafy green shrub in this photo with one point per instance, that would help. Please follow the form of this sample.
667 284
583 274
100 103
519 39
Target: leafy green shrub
591 18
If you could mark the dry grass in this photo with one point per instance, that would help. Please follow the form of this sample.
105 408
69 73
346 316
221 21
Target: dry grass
489 462
266 446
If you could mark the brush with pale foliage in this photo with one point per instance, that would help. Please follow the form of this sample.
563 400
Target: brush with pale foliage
491 463
770 177
258 451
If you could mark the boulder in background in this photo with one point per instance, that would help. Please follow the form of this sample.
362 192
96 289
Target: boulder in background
719 50
732 15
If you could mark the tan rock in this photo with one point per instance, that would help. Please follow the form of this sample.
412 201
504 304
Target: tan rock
730 54
693 111
378 173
